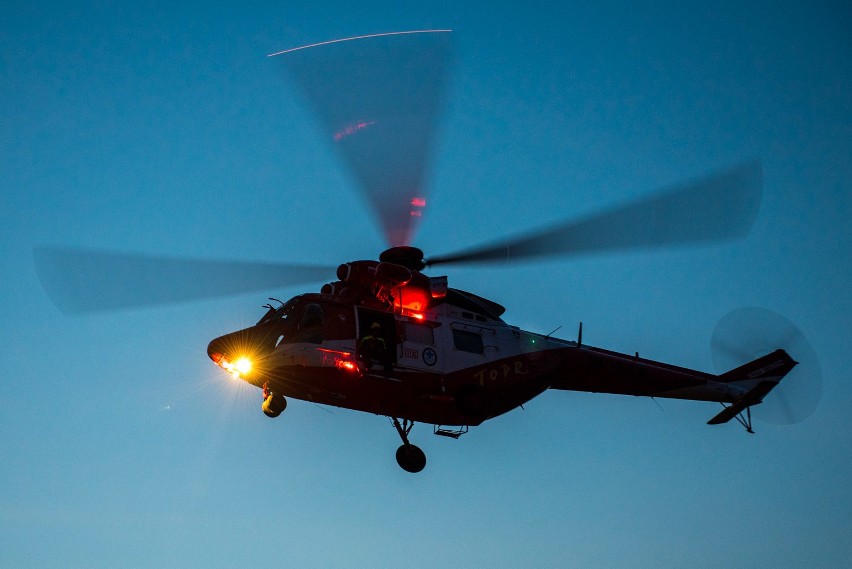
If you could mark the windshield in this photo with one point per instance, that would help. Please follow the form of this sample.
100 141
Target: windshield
296 321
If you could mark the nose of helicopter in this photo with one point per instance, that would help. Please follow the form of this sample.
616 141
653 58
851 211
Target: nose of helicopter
242 353
215 350
239 365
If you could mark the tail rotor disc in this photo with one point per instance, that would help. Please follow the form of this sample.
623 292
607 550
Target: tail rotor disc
750 332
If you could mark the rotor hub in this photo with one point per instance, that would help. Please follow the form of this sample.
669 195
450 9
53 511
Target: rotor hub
409 257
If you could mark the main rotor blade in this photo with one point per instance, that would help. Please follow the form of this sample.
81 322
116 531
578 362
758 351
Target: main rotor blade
379 99
86 280
721 206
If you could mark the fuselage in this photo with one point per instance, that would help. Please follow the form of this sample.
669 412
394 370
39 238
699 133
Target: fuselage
455 363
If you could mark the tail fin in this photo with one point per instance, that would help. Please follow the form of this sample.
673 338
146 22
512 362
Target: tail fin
757 378
771 367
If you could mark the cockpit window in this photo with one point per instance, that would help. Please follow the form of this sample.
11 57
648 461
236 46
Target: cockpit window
297 322
310 325
286 311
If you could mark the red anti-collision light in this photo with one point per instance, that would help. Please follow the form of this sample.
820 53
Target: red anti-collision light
347 365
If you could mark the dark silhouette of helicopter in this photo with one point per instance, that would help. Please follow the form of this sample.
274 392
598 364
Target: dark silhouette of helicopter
386 338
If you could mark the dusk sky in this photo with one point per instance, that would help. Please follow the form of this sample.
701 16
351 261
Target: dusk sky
166 130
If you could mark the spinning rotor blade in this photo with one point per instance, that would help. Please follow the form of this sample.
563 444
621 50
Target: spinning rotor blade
85 280
379 99
747 333
721 206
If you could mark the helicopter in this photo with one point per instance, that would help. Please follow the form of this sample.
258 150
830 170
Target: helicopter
383 336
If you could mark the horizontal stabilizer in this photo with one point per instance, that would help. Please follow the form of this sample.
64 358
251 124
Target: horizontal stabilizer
759 376
752 397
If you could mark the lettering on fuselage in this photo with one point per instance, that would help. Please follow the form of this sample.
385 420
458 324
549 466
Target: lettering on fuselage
411 353
503 371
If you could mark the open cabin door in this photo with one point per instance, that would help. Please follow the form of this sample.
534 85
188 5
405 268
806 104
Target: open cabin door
413 345
377 338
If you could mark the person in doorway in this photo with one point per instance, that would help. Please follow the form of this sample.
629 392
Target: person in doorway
373 348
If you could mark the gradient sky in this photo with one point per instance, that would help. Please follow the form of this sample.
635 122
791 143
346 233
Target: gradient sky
164 129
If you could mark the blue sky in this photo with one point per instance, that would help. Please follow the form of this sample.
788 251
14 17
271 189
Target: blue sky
165 130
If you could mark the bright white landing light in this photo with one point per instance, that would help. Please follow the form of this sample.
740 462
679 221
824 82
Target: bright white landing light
243 366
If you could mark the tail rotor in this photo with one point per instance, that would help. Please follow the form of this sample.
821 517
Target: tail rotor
749 332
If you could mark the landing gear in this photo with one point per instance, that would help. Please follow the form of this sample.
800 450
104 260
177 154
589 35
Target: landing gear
273 404
409 457
745 420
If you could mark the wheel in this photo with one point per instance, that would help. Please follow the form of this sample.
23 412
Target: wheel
410 458
274 405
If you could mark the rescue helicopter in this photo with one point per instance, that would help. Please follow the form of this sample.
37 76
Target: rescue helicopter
388 337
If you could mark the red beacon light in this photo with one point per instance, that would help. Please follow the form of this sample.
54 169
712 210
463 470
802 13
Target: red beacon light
417 205
347 365
342 360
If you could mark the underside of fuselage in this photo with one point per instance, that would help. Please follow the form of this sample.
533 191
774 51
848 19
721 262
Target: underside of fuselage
464 398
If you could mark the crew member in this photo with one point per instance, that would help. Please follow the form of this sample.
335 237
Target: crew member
373 347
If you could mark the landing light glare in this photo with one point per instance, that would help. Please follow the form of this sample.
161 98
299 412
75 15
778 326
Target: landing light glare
243 365
237 369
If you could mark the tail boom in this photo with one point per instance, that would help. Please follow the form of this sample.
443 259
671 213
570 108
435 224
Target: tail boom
603 371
